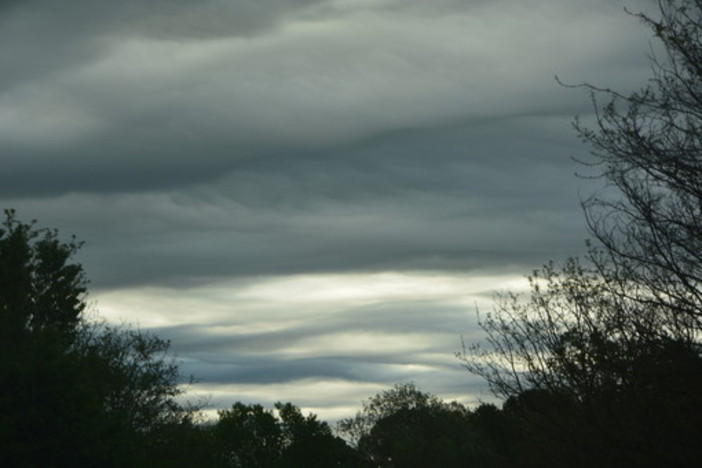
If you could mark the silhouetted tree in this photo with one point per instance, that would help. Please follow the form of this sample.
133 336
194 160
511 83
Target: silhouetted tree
73 393
41 291
580 372
385 403
603 357
248 435
251 436
426 437
647 147
501 435
574 333
309 442
405 427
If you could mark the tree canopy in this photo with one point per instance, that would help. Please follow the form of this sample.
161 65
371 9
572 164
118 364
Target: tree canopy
251 436
73 392
406 427
40 289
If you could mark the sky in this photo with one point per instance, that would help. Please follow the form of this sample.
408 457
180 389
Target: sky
310 198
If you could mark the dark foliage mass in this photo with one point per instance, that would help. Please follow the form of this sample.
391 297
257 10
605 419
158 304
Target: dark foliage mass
74 393
406 427
251 436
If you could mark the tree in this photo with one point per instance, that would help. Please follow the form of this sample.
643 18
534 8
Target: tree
139 381
41 302
603 357
310 443
421 437
137 385
385 403
73 392
40 290
577 332
405 427
647 146
585 383
250 435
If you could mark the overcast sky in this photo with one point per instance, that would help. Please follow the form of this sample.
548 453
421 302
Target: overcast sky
309 197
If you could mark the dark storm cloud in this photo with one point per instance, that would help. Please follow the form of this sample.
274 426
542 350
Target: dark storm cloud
103 103
420 158
39 37
456 197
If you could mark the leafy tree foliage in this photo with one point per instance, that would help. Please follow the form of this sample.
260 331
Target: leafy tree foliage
251 436
40 290
425 436
308 442
139 380
74 393
248 435
385 403
405 427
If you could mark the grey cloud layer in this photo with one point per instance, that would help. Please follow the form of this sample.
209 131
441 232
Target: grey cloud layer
191 143
142 113
59 34
290 354
455 200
